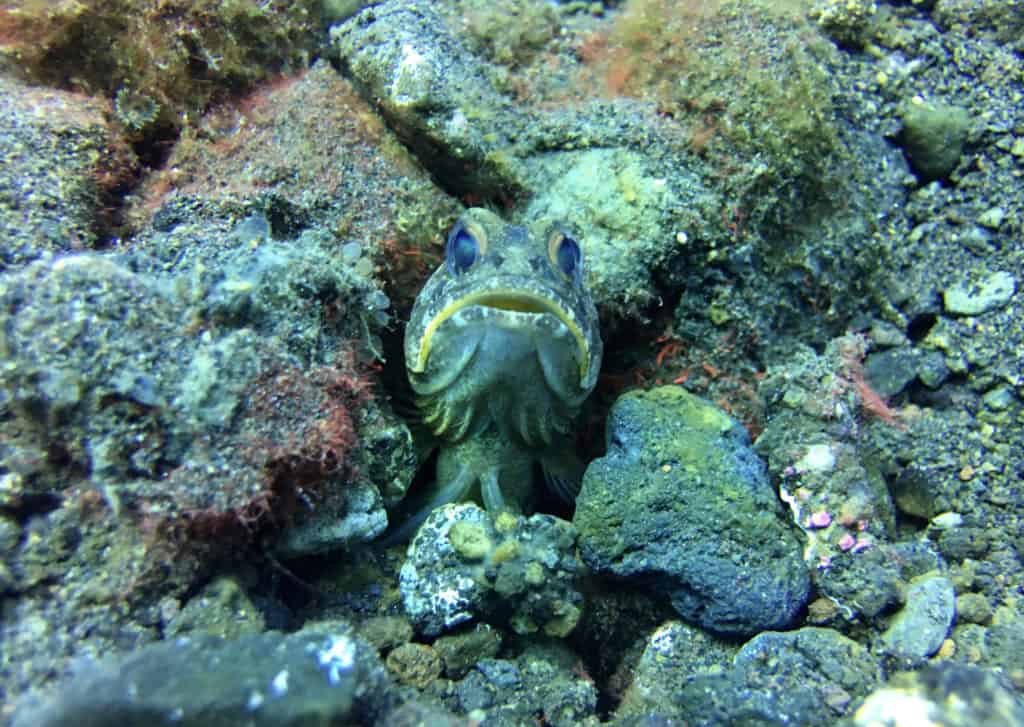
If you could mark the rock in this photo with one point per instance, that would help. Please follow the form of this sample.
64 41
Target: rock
889 372
948 694
435 593
415 664
681 504
120 328
933 138
811 676
849 22
425 79
919 629
57 149
991 19
520 571
672 653
999 399
972 299
918 494
478 690
315 676
505 692
386 632
210 388
585 189
10 535
932 370
965 542
222 608
973 608
992 218
606 172
352 514
865 584
460 651
1005 642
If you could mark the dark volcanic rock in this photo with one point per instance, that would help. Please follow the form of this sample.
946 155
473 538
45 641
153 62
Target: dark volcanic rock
681 502
318 676
809 677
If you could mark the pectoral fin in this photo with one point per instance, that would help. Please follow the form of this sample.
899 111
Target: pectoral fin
563 473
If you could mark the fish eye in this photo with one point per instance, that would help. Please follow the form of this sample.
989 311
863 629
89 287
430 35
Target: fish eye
466 244
565 254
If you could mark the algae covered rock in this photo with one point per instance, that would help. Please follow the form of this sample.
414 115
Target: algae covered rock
672 653
989 293
462 566
59 158
542 680
432 91
76 379
627 207
222 608
682 504
933 137
811 676
633 200
849 22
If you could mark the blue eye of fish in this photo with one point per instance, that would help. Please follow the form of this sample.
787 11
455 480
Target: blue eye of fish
462 250
568 256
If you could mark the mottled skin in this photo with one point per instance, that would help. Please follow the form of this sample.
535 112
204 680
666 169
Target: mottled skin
501 349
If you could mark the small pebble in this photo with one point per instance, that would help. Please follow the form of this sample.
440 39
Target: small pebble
972 298
947 520
820 520
973 608
378 299
350 252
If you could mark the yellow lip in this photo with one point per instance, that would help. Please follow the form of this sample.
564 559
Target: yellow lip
503 299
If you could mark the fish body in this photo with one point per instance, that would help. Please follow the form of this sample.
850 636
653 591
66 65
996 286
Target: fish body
501 350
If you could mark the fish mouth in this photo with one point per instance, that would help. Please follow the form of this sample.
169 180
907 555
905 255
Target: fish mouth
509 301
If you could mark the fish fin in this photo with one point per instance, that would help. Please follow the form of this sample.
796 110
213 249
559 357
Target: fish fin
409 517
563 473
490 490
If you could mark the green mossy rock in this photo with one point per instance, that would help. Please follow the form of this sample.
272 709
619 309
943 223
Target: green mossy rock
681 503
933 138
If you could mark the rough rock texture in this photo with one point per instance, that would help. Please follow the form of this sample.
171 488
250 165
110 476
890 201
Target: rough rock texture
672 653
818 405
918 630
543 680
194 393
462 566
404 55
865 586
594 167
809 677
60 160
950 695
682 504
321 675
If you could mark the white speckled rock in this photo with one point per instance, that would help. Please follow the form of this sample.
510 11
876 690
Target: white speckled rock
437 597
515 571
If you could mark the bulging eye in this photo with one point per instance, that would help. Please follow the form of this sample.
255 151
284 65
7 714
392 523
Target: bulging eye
465 246
565 254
